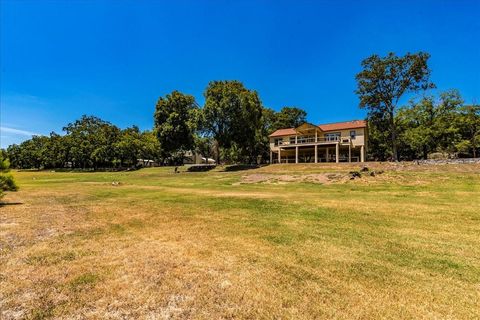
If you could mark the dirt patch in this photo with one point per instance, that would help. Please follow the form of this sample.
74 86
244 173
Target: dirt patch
322 178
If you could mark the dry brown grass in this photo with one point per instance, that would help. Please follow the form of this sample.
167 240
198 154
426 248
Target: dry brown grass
405 244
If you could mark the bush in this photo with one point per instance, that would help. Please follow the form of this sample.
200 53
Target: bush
7 183
438 156
6 180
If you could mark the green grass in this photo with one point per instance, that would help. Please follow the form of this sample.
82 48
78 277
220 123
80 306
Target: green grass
404 244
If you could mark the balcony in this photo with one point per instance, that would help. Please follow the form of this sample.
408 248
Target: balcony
319 140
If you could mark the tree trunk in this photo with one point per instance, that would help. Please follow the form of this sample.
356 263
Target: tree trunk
394 137
217 150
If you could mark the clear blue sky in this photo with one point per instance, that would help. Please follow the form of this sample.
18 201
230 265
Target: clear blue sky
113 59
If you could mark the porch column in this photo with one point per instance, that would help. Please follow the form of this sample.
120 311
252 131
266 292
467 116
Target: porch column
279 156
349 153
295 139
326 155
362 154
316 150
316 140
271 156
337 153
296 154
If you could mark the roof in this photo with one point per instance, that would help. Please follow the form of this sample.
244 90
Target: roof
283 132
344 125
354 124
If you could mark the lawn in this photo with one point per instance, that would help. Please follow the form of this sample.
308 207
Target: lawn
283 241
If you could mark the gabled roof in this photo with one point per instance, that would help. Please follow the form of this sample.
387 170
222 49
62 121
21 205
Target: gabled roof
354 124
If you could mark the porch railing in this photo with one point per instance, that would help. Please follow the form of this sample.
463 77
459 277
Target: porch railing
312 140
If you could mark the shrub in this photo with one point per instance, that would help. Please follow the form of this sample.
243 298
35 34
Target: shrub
7 183
6 180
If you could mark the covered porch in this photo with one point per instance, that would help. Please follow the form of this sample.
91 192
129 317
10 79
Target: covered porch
334 152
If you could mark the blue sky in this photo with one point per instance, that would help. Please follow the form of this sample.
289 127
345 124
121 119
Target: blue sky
113 59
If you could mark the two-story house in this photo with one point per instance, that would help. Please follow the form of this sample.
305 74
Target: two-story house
333 142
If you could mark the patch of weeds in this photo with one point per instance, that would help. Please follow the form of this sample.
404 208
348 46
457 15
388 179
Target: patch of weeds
118 228
98 232
368 270
296 273
136 223
84 281
447 266
41 313
280 239
51 258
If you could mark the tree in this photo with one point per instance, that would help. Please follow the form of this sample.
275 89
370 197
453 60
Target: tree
384 80
7 183
469 124
175 123
378 137
289 117
150 147
91 141
430 125
232 116
267 126
205 146
129 146
14 154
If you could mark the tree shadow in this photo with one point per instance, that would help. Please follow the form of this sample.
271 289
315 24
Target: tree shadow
200 167
241 167
3 204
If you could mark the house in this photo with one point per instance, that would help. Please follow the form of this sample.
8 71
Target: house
333 142
193 157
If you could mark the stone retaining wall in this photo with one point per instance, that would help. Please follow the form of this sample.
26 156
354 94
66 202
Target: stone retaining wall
448 161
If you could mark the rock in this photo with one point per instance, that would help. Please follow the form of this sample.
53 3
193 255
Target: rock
355 174
364 169
115 183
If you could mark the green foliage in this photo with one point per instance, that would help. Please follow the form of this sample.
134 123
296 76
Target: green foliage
289 117
429 126
469 127
432 126
384 80
234 125
89 143
176 120
233 116
6 180
205 146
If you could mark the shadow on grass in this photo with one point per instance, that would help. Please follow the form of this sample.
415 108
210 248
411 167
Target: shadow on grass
200 167
3 204
241 167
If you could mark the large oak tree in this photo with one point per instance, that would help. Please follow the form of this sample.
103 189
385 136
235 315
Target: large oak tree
175 123
232 115
384 80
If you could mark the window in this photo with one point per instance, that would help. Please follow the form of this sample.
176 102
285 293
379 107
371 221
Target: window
305 139
292 140
278 141
335 136
353 134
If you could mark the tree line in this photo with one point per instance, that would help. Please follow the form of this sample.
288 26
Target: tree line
233 124
430 125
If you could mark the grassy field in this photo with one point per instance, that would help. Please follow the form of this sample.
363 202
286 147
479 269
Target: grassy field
283 241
